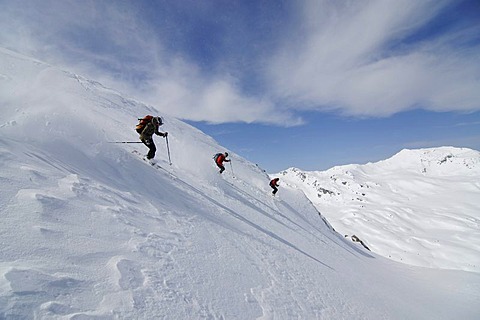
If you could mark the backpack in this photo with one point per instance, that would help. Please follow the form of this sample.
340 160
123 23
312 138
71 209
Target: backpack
215 157
142 123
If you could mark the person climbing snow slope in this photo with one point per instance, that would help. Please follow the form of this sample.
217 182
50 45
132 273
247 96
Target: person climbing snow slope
146 128
274 184
219 159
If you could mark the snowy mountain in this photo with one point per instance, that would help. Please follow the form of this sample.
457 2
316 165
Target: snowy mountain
421 207
91 231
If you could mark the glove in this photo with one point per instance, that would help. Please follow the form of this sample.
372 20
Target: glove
165 134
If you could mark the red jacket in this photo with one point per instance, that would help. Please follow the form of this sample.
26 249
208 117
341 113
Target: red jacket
273 182
221 159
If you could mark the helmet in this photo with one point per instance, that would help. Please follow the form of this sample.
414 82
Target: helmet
157 120
226 154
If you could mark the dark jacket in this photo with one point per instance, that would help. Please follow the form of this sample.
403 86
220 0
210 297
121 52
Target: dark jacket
149 130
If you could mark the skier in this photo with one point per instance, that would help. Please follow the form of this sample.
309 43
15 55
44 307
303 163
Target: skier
219 159
146 128
274 184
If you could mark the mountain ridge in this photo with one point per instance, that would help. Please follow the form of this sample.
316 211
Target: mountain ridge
379 198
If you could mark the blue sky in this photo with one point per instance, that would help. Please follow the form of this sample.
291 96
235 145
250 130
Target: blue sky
310 84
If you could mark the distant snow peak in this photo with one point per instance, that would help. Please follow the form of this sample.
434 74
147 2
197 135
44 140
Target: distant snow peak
401 206
440 159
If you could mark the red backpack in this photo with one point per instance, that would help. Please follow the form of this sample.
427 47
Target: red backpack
142 123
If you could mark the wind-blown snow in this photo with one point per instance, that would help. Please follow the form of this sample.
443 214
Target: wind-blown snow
91 231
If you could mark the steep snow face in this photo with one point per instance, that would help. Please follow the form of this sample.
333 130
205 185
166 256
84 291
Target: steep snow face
420 207
91 231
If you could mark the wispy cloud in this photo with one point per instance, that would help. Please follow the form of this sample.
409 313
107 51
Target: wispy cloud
465 124
354 58
111 42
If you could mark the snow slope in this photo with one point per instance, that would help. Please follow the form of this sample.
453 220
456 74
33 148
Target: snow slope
91 231
421 207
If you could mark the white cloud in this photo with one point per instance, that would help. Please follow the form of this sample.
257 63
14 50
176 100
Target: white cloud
345 60
340 57
109 42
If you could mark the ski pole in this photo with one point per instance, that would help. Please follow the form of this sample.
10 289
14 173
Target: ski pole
231 167
124 142
168 150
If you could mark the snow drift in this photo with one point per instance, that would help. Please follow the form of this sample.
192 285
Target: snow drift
91 231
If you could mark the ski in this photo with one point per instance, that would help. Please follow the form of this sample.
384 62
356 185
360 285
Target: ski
154 164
